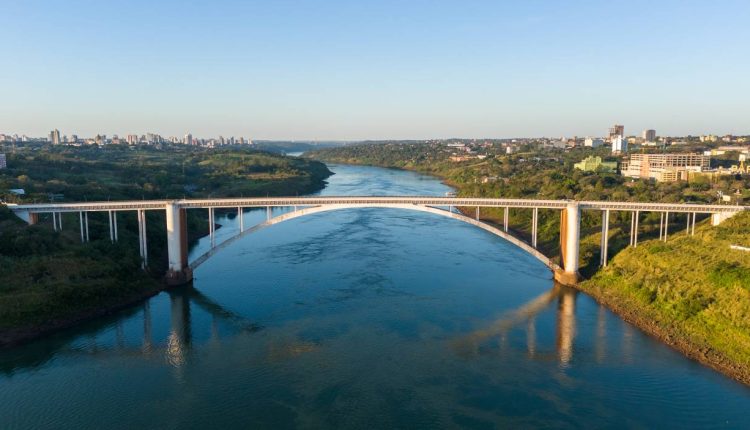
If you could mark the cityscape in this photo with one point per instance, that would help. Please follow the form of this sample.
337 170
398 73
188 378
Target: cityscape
375 214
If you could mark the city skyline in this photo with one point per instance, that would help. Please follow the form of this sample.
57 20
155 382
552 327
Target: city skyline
386 70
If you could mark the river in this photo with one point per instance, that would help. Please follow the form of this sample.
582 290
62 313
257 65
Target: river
363 318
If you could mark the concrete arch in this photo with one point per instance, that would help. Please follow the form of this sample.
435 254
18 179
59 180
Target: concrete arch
326 208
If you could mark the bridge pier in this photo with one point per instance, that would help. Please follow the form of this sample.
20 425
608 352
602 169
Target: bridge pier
605 239
570 226
535 223
505 219
142 237
179 272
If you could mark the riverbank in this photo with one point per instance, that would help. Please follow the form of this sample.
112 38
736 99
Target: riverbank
52 281
690 293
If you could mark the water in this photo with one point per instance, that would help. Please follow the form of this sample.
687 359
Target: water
366 318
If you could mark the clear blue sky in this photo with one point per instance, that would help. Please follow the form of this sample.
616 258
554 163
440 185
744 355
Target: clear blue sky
278 69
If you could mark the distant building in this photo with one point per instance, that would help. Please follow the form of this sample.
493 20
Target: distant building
619 145
595 164
708 138
3 163
664 167
616 130
54 137
649 135
188 139
132 139
593 143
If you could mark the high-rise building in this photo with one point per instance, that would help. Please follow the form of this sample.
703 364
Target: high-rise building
619 145
649 135
3 163
616 130
54 137
132 139
188 139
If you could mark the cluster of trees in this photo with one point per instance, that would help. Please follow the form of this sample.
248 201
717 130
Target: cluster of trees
50 275
120 172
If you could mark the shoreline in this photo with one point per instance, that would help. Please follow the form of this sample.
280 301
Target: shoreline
14 337
705 356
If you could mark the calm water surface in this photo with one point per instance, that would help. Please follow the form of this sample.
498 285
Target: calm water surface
367 318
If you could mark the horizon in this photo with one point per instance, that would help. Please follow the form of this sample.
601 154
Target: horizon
335 71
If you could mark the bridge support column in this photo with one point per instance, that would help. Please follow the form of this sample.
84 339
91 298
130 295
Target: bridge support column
114 217
635 230
666 225
605 239
179 272
241 220
505 219
111 228
477 213
632 227
86 224
211 226
692 228
661 226
535 223
570 226
142 237
80 219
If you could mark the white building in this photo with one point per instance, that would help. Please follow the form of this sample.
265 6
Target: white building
593 142
188 139
619 145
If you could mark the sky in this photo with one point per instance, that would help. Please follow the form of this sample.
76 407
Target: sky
381 69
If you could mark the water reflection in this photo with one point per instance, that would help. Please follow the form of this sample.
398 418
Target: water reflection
110 339
566 324
472 343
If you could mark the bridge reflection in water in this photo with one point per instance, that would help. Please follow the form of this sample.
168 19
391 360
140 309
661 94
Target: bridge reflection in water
172 342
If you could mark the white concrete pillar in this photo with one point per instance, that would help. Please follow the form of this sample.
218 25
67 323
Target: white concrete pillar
86 224
666 225
605 238
241 221
111 230
179 272
114 216
635 231
571 237
80 219
505 219
211 226
534 220
692 232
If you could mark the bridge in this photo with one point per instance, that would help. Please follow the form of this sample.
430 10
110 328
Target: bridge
180 270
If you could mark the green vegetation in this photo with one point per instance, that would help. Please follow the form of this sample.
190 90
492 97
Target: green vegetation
50 277
695 289
692 292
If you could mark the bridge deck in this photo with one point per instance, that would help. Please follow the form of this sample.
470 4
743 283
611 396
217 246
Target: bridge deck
368 201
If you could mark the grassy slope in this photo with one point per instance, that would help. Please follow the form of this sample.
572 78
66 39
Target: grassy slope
693 289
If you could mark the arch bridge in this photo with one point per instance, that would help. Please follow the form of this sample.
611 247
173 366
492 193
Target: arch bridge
180 270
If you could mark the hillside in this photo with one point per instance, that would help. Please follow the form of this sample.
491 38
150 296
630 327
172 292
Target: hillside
692 292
